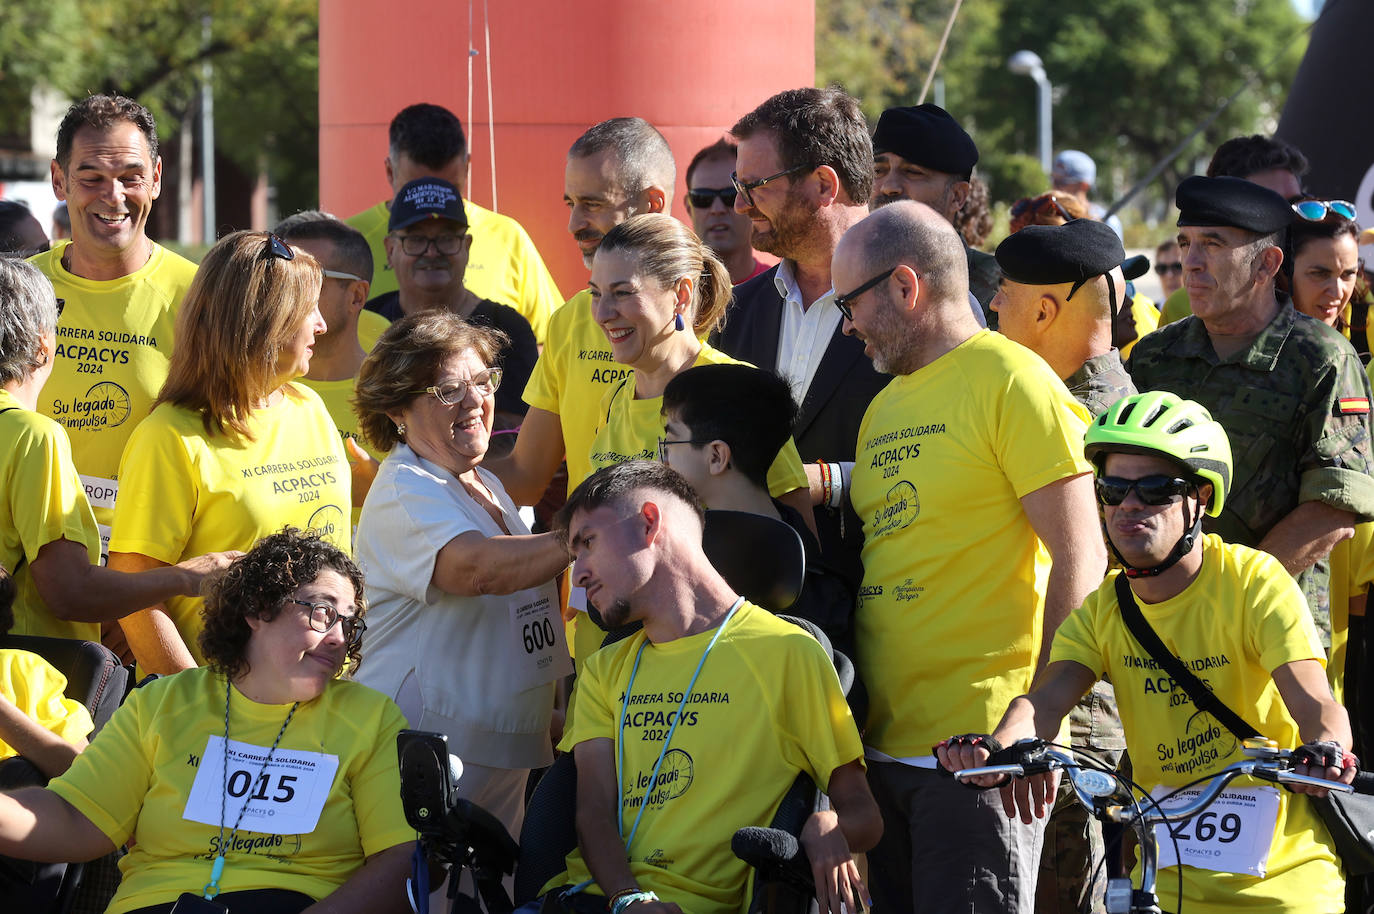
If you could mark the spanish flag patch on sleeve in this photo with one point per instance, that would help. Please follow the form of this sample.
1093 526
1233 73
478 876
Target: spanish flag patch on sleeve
1347 406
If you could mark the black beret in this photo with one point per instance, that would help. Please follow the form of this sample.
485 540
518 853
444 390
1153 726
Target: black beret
1048 255
1231 201
927 136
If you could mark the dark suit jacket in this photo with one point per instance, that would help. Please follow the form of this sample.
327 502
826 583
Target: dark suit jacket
828 422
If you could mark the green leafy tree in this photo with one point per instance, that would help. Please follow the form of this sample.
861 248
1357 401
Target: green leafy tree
265 57
1132 78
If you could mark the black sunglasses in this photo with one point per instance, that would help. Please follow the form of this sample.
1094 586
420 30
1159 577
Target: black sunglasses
1152 490
61 304
1163 269
703 197
275 247
843 302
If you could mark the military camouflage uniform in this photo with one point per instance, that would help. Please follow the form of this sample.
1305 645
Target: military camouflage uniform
1295 405
984 276
1071 879
1100 382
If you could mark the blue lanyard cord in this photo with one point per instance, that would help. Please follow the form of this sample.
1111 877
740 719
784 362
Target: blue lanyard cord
620 732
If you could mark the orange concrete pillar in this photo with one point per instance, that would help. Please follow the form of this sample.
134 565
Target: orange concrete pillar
691 68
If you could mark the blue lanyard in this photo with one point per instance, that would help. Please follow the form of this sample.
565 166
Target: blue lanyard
620 732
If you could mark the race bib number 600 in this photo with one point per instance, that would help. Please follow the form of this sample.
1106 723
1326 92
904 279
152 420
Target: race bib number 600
283 798
1230 836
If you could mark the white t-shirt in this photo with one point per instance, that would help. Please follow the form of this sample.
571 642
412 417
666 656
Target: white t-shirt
460 649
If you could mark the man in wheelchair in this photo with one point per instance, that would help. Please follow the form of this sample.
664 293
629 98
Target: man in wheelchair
697 725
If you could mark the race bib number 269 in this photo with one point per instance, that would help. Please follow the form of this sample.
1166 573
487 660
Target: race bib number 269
1230 836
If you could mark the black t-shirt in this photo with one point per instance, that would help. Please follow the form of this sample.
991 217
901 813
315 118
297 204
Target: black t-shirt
516 359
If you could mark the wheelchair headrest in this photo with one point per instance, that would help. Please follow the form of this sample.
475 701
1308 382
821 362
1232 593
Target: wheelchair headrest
761 557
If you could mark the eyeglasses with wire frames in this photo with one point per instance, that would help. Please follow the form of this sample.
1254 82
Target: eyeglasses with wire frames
322 617
664 442
276 249
452 393
416 245
843 302
746 188
1153 490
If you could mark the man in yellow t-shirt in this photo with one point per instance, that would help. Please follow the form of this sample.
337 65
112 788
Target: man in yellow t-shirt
122 291
427 141
761 705
344 255
1162 463
980 536
616 169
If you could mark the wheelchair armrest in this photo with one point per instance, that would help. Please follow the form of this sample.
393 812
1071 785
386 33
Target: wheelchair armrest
776 855
492 846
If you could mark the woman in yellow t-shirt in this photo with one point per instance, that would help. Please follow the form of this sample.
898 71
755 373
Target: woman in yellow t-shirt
264 780
233 449
48 535
656 290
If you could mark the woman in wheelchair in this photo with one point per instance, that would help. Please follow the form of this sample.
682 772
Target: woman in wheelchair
258 783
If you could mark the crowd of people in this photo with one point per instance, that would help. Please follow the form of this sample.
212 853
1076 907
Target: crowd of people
987 458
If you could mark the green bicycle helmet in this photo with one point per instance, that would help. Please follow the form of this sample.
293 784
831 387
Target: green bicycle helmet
1159 423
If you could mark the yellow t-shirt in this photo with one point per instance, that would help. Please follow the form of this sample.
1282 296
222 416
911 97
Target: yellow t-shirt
1176 308
371 326
629 429
572 375
948 626
766 706
503 266
337 397
186 493
135 778
1352 568
1265 624
114 343
41 500
37 689
1145 317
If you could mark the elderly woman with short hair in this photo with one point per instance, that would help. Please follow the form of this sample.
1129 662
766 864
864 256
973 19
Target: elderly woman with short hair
48 536
465 629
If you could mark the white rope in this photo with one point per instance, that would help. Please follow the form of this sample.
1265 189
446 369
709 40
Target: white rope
491 115
472 52
940 51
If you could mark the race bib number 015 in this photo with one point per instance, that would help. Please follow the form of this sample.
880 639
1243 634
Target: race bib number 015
284 798
1230 836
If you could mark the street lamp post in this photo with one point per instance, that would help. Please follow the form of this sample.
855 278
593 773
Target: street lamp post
1028 63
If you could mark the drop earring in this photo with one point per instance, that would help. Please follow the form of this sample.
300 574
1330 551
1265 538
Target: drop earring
679 323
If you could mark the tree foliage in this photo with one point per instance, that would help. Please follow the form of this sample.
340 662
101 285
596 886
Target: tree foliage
264 53
1132 78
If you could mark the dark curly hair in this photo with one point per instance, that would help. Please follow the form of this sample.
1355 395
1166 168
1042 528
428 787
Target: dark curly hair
259 584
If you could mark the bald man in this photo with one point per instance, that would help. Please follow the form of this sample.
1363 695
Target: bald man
1061 285
941 637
